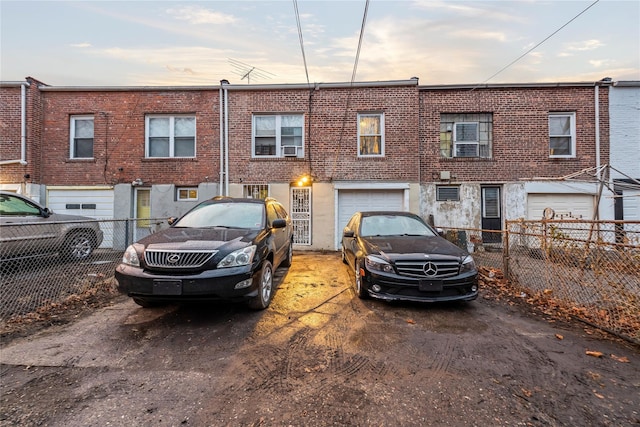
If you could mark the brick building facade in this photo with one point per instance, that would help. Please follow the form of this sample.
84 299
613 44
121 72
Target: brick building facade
464 156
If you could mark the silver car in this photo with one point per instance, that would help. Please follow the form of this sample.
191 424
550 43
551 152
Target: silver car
28 229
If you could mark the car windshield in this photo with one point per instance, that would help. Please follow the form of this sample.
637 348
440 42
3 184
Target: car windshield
393 225
228 215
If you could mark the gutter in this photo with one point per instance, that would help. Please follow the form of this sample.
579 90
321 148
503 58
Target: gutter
23 126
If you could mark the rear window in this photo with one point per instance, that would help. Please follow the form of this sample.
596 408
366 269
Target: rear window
228 215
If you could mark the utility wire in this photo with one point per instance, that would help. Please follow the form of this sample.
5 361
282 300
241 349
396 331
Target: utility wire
539 44
349 91
364 21
304 59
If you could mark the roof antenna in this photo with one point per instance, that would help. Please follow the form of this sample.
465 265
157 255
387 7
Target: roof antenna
246 71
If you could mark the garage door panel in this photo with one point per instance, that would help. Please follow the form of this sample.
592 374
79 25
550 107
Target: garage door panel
565 206
96 204
631 205
352 201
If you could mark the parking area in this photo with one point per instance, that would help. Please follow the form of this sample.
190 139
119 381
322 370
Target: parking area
319 356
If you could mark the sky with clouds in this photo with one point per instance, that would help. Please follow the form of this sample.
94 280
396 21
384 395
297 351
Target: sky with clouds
185 43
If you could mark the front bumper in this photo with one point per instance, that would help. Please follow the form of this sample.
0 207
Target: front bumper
207 285
393 287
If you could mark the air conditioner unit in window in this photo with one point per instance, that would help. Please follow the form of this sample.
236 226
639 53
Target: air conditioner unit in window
290 150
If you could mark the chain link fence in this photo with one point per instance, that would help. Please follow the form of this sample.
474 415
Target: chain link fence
587 269
590 269
43 265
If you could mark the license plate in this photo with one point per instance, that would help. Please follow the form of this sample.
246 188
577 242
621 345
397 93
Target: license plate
430 286
167 287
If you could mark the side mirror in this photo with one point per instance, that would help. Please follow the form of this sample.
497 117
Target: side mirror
172 220
347 232
46 212
279 223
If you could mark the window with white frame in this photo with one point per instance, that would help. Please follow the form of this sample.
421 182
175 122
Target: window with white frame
184 194
562 135
278 135
255 191
466 135
170 136
81 133
370 134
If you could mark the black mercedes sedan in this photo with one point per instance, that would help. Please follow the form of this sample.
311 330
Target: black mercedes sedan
222 249
397 256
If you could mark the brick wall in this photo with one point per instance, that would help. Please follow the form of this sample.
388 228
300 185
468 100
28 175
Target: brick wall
119 137
330 134
520 131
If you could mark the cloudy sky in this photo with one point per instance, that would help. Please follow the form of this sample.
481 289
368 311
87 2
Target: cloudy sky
123 43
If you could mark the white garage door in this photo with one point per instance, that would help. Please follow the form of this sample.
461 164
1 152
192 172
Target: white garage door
565 206
96 204
352 201
631 205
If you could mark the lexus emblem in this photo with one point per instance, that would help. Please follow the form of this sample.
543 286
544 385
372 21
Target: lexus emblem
173 258
430 269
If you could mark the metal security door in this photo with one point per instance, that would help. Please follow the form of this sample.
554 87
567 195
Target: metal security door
491 214
301 215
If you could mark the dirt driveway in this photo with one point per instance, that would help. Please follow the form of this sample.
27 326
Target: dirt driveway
319 356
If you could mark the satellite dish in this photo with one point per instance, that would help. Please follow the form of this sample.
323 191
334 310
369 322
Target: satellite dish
246 71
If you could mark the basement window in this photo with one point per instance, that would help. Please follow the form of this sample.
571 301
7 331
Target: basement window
184 194
446 193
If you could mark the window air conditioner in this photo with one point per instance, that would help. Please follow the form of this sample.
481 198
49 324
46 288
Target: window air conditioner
290 150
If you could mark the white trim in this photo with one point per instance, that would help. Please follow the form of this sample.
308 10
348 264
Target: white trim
572 134
380 116
72 134
172 135
371 186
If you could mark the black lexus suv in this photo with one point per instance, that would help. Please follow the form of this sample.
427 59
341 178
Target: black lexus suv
222 249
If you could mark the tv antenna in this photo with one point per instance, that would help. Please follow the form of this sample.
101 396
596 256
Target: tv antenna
246 71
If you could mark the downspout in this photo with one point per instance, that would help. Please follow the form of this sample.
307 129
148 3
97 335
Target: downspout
23 128
221 101
23 124
226 142
596 215
597 121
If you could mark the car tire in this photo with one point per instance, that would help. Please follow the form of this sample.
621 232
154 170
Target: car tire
265 288
289 258
359 286
78 245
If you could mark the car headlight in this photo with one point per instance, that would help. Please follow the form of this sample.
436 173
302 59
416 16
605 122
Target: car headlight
130 256
237 258
468 265
378 264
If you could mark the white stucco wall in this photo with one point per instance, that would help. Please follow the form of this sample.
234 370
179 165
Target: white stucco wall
464 213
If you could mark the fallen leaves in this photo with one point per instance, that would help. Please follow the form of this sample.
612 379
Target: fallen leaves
620 359
594 353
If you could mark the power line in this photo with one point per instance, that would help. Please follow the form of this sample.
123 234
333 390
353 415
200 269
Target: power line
364 21
304 59
539 44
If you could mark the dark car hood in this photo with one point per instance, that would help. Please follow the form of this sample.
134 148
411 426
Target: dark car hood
198 238
398 247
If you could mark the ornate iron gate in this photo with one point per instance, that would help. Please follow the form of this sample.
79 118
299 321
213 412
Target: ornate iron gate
301 215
